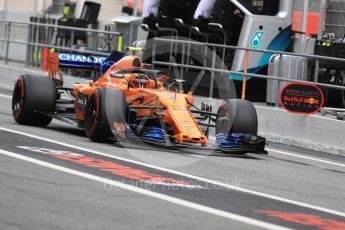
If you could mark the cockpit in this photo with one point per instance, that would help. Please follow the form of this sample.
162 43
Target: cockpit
142 78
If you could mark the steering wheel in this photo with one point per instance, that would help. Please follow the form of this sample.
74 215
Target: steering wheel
138 80
141 80
145 77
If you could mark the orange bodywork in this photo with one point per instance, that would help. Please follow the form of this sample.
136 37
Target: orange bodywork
176 113
53 66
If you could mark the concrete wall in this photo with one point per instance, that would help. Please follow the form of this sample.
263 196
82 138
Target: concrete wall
23 6
17 52
313 132
109 10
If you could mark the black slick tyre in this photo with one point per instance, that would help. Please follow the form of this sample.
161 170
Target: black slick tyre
33 97
237 116
104 107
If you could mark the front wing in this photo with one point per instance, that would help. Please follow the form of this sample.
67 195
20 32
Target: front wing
235 143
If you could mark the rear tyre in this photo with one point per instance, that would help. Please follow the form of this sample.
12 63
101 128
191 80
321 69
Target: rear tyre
104 107
237 116
32 97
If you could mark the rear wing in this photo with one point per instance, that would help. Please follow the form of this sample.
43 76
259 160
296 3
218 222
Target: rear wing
79 61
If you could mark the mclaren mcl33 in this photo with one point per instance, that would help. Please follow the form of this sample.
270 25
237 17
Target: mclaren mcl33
128 101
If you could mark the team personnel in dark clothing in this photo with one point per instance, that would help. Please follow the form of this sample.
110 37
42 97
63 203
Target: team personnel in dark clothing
183 9
193 12
150 12
150 15
227 14
202 15
165 12
169 10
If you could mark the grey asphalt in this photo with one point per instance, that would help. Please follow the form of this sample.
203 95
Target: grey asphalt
33 197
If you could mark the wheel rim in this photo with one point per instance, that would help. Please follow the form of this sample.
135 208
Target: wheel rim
17 99
223 111
91 114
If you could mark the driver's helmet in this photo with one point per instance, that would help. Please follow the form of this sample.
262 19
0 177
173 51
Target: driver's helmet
138 80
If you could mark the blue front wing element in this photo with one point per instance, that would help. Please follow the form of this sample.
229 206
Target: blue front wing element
231 140
225 142
154 134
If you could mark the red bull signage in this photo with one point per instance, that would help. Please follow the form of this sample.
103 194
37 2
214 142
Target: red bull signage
301 98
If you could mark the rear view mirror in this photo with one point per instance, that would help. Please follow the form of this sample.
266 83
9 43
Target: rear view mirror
179 81
117 75
163 78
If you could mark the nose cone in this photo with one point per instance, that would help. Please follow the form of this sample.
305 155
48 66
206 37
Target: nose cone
185 138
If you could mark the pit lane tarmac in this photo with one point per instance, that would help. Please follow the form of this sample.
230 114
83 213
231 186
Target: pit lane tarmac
205 196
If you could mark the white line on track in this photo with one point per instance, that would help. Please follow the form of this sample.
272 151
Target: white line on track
305 157
5 96
302 156
261 194
149 193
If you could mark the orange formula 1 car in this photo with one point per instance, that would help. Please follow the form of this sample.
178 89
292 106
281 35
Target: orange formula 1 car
128 102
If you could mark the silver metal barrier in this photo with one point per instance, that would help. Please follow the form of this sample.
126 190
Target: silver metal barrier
280 77
10 24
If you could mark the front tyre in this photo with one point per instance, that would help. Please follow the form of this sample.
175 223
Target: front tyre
237 116
104 107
